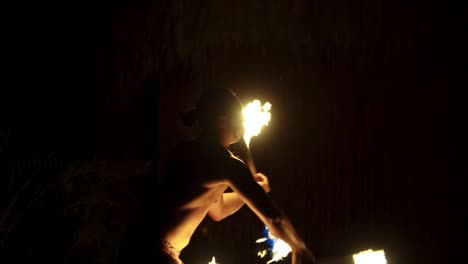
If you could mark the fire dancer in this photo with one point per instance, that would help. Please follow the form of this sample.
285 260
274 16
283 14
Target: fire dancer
197 176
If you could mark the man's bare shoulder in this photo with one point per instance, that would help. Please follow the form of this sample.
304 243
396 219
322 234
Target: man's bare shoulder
236 167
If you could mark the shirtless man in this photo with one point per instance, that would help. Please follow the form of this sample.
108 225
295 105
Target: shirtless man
198 174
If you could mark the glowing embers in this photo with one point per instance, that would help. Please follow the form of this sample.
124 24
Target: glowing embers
370 257
255 117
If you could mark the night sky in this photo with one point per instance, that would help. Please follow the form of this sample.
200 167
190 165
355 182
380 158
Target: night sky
365 148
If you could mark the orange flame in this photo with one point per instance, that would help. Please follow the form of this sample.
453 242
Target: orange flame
279 251
255 117
213 261
370 257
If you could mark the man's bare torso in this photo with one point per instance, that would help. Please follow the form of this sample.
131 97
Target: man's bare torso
194 180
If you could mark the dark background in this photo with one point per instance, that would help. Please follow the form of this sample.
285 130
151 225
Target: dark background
364 150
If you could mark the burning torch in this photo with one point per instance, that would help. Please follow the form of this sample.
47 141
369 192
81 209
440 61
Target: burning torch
255 117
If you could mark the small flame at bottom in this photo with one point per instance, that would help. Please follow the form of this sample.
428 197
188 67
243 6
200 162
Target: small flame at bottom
213 261
279 248
370 257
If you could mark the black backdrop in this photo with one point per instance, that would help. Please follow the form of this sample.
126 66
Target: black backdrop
363 150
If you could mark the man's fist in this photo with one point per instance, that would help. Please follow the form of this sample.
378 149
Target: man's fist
263 181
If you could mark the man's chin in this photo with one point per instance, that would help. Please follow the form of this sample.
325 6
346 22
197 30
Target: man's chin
235 140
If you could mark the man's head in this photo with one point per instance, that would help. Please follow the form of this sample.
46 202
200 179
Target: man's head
219 112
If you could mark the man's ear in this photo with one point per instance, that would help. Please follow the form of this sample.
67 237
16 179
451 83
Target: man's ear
223 122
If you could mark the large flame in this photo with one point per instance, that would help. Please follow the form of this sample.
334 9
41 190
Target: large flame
255 117
213 261
279 248
370 257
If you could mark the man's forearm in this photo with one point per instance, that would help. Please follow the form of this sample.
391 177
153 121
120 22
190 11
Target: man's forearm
283 229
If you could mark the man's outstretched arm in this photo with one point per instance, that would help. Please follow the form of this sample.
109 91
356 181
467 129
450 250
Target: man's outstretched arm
225 206
264 207
231 202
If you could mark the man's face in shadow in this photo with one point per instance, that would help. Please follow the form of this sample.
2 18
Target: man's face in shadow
232 128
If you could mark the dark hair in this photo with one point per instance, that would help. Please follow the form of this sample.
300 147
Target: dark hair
190 118
212 104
